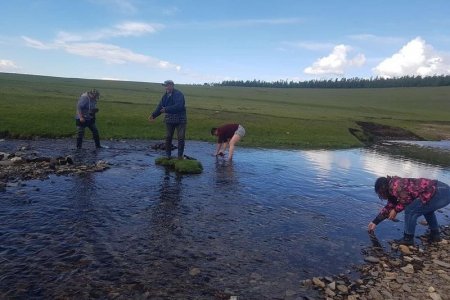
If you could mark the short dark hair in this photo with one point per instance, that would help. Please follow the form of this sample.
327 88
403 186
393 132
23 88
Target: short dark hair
382 186
213 130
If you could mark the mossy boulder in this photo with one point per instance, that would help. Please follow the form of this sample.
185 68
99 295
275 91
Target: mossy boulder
184 166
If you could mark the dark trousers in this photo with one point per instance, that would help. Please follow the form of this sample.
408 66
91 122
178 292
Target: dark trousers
80 132
181 132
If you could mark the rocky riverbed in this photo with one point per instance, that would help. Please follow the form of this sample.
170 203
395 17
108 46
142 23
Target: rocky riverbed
26 164
414 272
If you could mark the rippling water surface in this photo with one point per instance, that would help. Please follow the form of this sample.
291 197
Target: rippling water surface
253 228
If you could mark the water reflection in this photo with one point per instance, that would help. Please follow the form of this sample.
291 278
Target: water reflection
170 190
166 211
224 175
83 190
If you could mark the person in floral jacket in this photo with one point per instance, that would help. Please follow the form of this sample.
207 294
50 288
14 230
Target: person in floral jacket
417 197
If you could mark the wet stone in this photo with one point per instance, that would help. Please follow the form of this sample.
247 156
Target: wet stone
372 259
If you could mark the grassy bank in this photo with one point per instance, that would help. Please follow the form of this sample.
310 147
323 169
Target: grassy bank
277 118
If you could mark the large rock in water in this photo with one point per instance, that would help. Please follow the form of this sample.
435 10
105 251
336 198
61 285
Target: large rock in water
184 166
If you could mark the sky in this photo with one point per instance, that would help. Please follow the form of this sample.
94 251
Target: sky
196 42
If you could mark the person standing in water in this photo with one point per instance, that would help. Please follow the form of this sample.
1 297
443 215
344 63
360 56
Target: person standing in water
172 104
85 117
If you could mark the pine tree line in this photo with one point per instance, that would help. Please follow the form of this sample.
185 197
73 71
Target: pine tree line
347 83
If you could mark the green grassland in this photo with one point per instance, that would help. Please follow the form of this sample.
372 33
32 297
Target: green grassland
276 118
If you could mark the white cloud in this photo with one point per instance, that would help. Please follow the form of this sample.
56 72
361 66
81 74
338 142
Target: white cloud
120 30
111 54
136 28
116 55
36 44
335 63
7 65
415 58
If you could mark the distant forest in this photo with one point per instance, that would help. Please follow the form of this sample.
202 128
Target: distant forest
347 83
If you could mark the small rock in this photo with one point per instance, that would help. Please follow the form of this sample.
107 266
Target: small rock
194 271
435 296
405 250
374 294
445 276
372 259
318 282
342 288
330 292
408 269
386 294
406 288
16 160
423 222
441 263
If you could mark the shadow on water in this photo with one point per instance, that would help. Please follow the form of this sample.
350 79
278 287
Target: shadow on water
254 228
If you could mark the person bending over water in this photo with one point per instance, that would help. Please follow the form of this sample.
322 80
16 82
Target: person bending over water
417 197
228 134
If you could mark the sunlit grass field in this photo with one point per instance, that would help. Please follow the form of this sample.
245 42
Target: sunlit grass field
276 118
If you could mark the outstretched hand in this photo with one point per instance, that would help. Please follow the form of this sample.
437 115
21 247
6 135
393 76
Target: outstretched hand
371 227
392 215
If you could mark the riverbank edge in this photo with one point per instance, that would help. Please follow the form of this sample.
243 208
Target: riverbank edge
415 272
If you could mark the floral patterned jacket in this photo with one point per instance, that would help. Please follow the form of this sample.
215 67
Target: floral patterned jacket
403 191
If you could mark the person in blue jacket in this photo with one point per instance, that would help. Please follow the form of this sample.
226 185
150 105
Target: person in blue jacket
172 104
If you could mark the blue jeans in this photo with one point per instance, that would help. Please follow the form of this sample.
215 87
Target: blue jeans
181 132
416 209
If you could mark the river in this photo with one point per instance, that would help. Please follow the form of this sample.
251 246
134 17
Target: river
254 228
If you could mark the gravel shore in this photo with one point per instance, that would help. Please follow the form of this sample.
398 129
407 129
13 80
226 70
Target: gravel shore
414 272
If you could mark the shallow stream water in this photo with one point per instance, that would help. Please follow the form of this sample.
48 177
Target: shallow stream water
254 228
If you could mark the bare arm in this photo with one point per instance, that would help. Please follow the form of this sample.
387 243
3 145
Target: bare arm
219 146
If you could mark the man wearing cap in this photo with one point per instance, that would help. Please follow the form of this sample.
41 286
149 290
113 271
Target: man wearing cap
85 116
172 104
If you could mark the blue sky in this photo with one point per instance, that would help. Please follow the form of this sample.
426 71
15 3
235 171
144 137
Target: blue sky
211 41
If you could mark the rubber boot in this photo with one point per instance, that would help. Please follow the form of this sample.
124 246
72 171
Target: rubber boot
408 240
180 149
96 137
79 143
435 236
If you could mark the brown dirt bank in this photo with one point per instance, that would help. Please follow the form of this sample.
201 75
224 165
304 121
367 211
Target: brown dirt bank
370 133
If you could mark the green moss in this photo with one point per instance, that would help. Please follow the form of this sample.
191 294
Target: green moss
188 166
183 166
166 162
